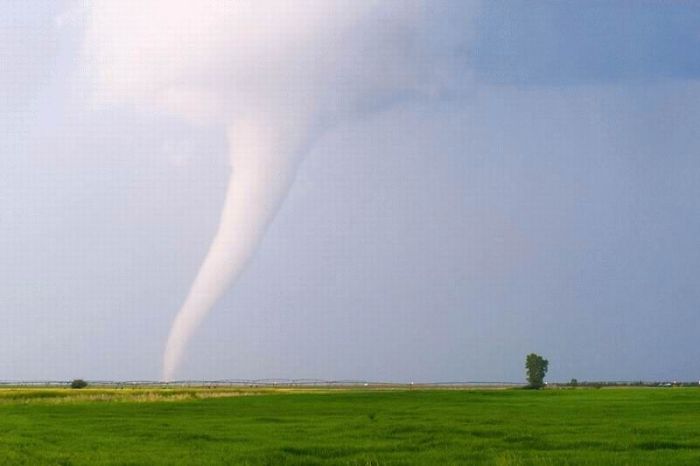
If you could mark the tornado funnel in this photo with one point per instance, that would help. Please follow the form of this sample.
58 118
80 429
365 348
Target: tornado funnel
264 157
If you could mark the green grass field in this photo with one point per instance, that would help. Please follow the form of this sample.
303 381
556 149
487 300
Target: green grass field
354 427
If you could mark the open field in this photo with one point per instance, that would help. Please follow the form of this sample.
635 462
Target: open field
354 427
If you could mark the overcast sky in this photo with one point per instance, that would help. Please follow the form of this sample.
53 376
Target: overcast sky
547 201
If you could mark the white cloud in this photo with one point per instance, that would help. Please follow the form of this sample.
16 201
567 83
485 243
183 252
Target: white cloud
211 60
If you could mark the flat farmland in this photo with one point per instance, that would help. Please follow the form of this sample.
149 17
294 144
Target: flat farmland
610 426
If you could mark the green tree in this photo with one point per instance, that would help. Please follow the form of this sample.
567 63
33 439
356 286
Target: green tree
78 383
536 367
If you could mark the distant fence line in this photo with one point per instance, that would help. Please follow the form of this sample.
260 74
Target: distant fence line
255 383
320 383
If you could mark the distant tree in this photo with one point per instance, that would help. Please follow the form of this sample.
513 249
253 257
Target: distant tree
536 367
78 383
574 383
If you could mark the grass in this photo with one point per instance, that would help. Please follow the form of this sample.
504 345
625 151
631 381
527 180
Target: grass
350 427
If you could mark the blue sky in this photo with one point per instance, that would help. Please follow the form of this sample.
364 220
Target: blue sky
549 43
547 201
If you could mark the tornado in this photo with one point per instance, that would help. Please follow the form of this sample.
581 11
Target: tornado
263 161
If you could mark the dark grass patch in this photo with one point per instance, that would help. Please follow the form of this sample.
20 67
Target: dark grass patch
487 433
664 445
321 451
529 442
271 420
